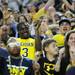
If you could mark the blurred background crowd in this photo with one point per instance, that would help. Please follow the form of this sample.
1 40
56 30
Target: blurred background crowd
28 27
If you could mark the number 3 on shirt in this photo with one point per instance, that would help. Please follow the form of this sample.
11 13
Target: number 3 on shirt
25 52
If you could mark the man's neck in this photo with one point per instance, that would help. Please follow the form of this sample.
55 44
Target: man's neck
15 57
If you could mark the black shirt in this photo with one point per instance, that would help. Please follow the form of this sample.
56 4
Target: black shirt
47 67
3 67
64 64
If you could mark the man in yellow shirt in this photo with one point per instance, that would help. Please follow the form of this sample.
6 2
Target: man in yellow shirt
64 26
27 43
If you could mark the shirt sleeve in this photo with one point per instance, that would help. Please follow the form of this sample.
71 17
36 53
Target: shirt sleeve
40 13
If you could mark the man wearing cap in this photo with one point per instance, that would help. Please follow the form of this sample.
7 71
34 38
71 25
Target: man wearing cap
64 26
17 64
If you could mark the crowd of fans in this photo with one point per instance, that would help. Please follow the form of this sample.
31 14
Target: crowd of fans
37 37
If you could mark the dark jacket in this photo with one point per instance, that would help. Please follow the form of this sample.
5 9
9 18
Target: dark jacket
3 66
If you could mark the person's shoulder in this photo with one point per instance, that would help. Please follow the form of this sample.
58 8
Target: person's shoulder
4 53
57 35
2 59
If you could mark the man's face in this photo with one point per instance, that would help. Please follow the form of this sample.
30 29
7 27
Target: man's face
65 27
22 19
24 32
14 51
44 21
4 31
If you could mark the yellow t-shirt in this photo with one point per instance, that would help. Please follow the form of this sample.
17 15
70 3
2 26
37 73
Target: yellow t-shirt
59 38
48 32
27 47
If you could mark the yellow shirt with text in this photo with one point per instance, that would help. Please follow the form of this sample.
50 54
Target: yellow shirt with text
27 47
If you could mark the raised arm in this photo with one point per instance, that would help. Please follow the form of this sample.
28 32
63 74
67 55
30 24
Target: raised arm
43 10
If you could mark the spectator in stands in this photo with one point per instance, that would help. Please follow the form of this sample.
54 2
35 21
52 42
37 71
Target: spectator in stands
16 63
44 30
49 60
28 44
68 60
4 36
64 26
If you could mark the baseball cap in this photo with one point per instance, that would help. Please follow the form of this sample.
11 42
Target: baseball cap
64 20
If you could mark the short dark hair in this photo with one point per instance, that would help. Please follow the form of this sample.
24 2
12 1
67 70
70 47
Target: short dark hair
47 42
19 26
